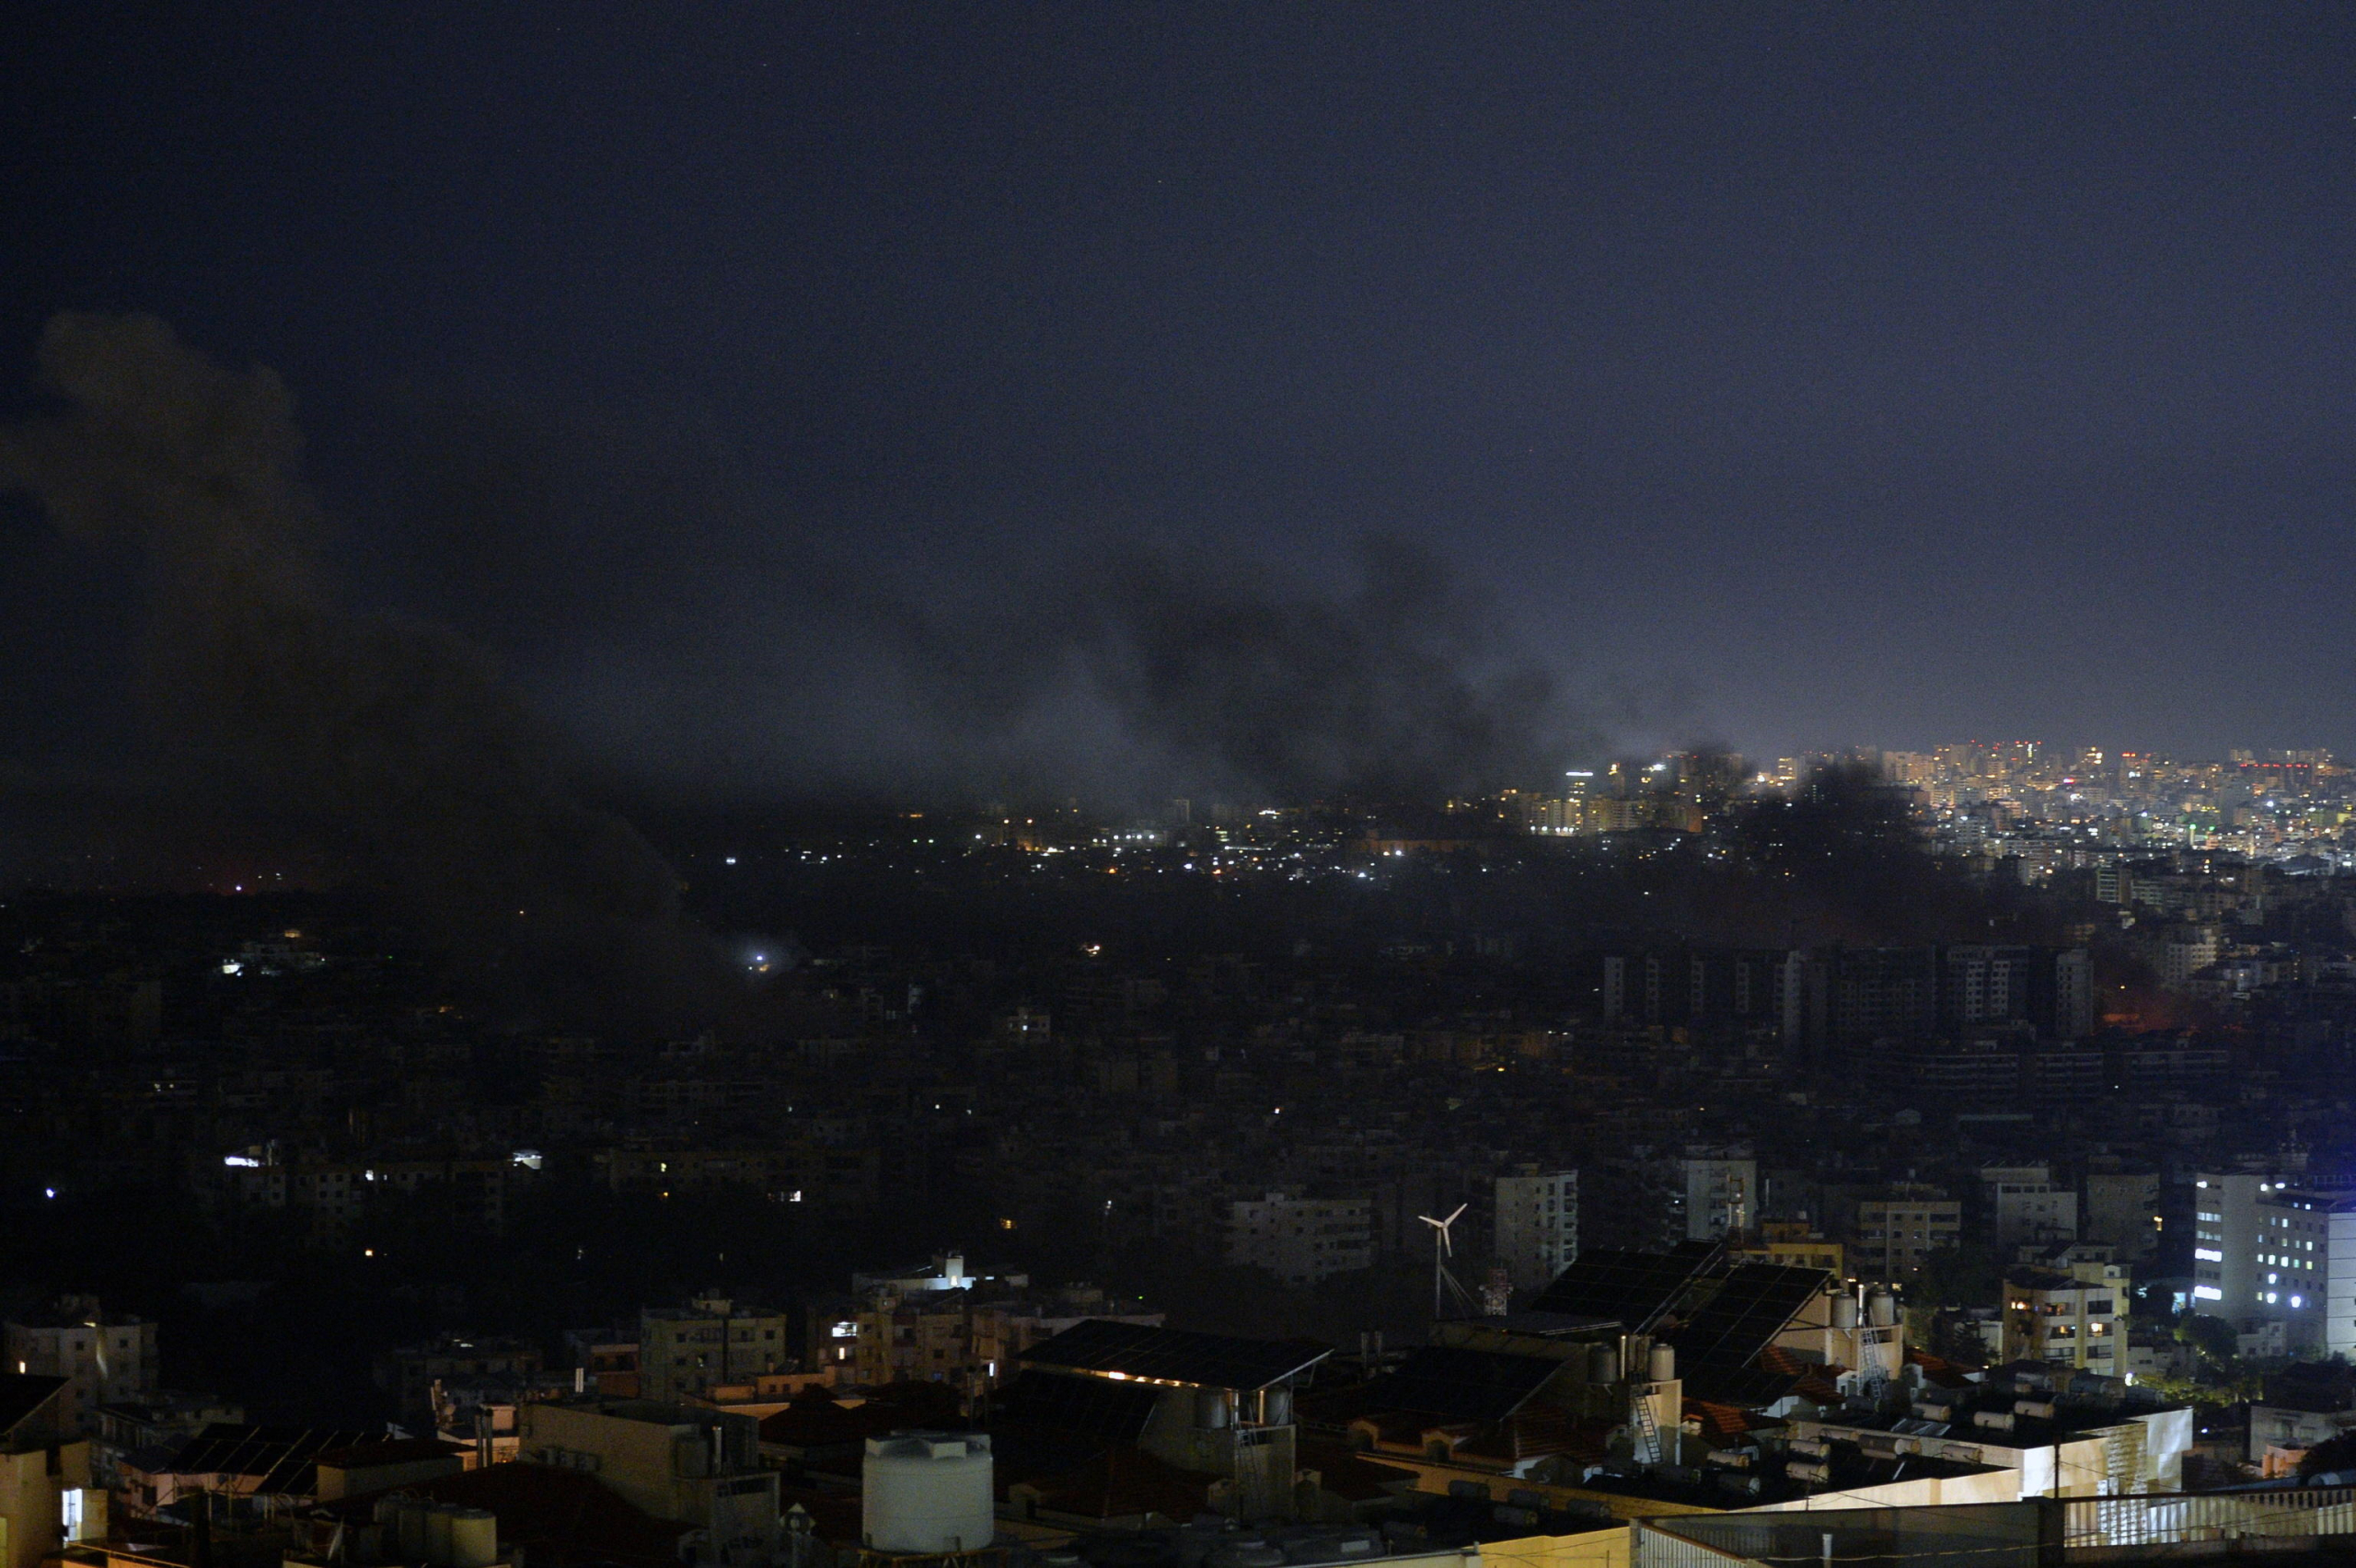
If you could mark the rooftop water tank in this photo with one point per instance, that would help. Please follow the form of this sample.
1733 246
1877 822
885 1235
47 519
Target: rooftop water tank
927 1492
1845 1311
474 1538
1604 1364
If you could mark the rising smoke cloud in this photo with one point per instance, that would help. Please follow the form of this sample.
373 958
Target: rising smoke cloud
1398 688
704 631
393 744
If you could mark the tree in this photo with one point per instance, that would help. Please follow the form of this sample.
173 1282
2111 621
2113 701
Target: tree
1968 1275
2214 1338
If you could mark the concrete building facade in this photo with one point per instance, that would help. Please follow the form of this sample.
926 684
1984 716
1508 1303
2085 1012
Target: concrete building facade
1299 1240
1537 1225
692 1466
105 1358
712 1340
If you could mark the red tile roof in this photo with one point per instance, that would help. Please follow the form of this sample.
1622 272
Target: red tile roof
1938 1370
560 1517
1123 1482
812 1420
1817 1379
1722 1422
1345 1473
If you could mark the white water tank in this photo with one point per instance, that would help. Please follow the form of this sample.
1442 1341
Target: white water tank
474 1538
1663 1363
1881 1308
927 1492
1845 1311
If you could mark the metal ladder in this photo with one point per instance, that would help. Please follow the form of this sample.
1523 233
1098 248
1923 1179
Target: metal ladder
1648 1429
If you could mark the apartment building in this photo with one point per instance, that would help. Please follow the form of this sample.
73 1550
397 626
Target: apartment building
2060 1319
2278 1249
2027 1206
1721 1194
105 1358
1537 1225
1300 1239
1896 1231
710 1341
685 1464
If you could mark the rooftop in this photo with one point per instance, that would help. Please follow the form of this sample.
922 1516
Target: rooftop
21 1396
1635 1289
1459 1385
1174 1357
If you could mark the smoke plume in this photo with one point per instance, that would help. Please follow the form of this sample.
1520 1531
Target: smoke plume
393 743
706 629
1400 687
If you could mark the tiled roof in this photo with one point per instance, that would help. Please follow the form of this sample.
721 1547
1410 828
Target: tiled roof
1813 1380
1938 1370
560 1517
1721 1422
813 1419
1343 1471
1534 1433
1122 1481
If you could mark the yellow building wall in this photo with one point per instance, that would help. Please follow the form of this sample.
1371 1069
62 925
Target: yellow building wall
1606 1548
28 1517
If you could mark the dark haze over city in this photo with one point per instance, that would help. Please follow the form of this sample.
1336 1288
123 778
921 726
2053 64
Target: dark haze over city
658 655
805 400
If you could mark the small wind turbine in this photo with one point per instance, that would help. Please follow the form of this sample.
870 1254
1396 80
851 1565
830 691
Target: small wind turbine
1443 1249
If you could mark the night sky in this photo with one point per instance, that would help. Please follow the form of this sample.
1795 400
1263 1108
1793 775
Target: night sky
1783 377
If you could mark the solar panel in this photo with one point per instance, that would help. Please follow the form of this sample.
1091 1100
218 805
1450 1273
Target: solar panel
1751 1307
1632 1289
281 1456
1461 1384
1107 1349
1091 1406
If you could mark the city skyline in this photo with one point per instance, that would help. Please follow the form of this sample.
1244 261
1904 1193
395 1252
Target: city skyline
1776 382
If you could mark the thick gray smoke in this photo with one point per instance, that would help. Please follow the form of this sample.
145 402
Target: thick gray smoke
1400 687
393 741
695 627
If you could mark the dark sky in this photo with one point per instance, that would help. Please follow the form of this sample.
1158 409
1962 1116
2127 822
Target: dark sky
1788 375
